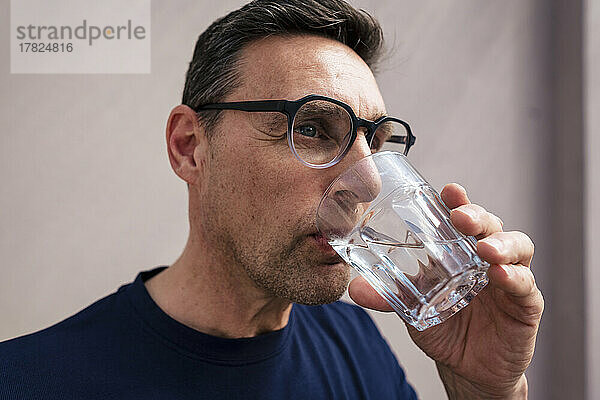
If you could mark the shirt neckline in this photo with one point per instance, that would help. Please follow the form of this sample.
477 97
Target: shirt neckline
198 344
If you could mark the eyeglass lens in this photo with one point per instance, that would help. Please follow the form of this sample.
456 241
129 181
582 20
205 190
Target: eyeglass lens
322 131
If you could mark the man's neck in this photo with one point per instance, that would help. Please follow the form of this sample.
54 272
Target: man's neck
216 299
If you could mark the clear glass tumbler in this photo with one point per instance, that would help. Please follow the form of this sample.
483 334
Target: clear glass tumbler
388 223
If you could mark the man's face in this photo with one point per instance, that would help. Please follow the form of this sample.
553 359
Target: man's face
258 203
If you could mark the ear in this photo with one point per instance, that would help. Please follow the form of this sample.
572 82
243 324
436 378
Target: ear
187 144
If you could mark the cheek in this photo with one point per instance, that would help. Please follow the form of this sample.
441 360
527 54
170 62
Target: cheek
262 189
279 195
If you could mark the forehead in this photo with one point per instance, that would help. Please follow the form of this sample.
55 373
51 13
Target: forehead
294 66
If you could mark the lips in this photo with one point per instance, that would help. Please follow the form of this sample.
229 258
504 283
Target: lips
325 248
322 241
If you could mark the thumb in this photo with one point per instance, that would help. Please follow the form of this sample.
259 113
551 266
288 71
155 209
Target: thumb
364 295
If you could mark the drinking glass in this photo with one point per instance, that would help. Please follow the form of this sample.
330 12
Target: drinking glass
388 223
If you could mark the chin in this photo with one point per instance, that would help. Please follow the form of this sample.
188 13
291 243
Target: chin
327 284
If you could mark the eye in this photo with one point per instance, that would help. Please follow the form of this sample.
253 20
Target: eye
308 130
313 130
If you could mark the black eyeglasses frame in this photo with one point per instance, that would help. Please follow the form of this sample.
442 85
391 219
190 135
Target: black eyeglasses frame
291 107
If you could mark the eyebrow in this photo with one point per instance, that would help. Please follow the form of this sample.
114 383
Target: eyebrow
323 107
379 115
273 118
387 129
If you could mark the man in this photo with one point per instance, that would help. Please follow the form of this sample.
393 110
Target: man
249 308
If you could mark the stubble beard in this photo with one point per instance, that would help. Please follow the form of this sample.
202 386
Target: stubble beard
294 273
282 264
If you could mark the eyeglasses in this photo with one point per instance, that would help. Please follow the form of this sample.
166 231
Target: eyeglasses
320 130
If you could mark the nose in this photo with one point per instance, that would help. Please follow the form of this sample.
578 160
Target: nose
362 183
351 193
359 149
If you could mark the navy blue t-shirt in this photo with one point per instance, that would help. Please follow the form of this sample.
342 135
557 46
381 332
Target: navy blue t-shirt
125 347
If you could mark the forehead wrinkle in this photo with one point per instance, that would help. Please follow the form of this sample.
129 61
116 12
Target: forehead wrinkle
369 109
321 78
313 65
269 73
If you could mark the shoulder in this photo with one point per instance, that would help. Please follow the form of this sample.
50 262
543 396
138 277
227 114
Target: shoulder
59 357
87 317
73 333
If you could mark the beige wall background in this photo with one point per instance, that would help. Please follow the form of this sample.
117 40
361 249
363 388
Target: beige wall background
592 190
494 90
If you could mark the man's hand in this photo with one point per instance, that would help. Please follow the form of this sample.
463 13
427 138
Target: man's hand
483 350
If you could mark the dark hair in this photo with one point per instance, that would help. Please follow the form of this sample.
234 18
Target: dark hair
213 72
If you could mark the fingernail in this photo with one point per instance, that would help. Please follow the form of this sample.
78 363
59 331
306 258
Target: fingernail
495 243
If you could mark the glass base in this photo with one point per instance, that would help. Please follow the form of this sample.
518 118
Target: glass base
453 297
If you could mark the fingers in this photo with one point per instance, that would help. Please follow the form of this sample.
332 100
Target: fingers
364 295
454 195
506 248
468 218
516 280
474 220
516 293
510 254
